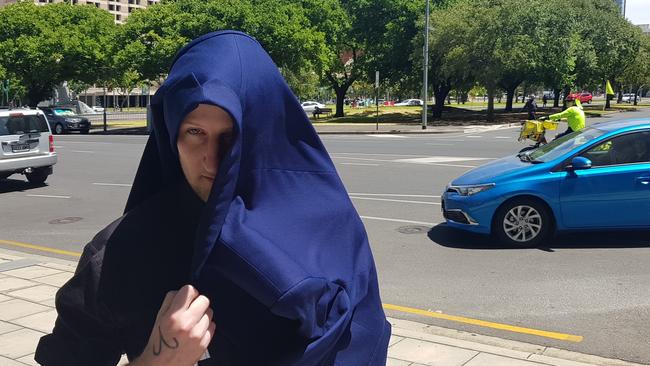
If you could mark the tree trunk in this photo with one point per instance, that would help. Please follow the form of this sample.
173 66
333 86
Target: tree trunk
510 93
620 95
490 111
566 94
440 93
340 96
556 97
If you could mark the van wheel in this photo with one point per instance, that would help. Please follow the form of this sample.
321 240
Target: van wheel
523 222
38 176
58 129
4 175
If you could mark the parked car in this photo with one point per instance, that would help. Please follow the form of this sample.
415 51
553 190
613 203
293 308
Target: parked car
64 120
410 102
26 145
309 106
594 179
583 97
97 109
629 98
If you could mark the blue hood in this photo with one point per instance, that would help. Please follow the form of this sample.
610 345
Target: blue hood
489 172
278 225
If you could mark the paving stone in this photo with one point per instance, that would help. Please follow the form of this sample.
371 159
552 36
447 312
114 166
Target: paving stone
38 293
4 361
557 361
19 343
394 339
9 257
62 267
486 359
31 272
4 298
58 279
3 261
7 327
396 362
28 360
43 322
51 303
17 308
12 283
430 353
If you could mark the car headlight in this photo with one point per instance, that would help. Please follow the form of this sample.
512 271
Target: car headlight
469 190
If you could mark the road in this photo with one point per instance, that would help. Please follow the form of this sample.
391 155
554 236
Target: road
596 286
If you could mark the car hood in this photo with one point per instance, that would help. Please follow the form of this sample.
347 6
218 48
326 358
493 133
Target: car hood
493 171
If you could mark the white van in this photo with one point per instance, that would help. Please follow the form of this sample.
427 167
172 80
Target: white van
26 145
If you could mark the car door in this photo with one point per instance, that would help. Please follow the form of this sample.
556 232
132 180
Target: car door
615 191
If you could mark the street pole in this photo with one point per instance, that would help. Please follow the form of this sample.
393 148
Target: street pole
377 97
426 67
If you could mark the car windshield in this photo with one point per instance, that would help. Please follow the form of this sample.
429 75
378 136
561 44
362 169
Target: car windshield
63 112
22 124
564 144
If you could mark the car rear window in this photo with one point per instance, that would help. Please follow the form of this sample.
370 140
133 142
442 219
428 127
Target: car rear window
21 124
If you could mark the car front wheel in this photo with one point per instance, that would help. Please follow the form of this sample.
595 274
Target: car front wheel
58 129
523 222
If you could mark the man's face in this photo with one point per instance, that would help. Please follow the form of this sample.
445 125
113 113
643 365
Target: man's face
203 139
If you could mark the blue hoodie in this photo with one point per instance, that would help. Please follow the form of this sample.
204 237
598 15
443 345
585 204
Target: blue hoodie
279 241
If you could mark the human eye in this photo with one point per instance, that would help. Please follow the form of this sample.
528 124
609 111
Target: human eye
194 131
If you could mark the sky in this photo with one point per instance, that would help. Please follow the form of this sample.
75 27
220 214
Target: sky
638 11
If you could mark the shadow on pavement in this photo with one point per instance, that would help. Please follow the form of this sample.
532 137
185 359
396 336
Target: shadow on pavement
17 185
121 131
452 238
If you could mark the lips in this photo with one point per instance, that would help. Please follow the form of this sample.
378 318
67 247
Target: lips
207 177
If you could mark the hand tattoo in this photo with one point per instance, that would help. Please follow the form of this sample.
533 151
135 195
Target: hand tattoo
163 341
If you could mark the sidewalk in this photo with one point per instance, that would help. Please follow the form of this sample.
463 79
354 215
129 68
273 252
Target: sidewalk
28 284
341 129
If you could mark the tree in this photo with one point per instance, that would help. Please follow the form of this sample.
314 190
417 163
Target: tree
637 73
41 46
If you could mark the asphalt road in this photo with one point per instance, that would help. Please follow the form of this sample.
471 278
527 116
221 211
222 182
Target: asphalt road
592 285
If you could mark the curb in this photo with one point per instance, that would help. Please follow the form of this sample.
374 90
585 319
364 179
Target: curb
498 346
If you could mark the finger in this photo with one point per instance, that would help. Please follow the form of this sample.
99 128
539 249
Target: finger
166 302
198 308
201 327
184 298
209 334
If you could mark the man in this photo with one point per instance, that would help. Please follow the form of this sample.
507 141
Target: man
574 116
239 244
531 107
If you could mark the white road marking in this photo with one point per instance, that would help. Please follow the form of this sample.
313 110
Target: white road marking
398 220
388 136
364 154
359 164
393 195
435 144
440 159
83 151
389 200
474 137
399 161
502 137
58 147
46 196
113 184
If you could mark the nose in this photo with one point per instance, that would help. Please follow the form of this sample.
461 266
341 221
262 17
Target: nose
211 157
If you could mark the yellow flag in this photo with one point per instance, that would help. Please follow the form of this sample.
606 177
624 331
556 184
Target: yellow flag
608 89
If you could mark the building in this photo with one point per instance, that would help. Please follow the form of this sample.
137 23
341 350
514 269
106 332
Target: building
120 9
621 4
645 28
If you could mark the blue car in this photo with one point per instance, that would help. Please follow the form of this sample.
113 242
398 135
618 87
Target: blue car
594 179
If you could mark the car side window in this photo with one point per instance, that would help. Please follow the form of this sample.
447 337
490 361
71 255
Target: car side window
627 149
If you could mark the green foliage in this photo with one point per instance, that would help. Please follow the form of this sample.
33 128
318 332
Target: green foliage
42 46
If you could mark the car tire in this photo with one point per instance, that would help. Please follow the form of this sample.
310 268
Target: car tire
58 129
38 176
4 175
84 132
523 222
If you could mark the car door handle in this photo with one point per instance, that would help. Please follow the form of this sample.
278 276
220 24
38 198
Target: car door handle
644 181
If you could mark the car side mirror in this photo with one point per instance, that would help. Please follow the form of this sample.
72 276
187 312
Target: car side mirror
579 163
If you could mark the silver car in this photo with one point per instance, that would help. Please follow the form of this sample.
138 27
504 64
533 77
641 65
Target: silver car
26 145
